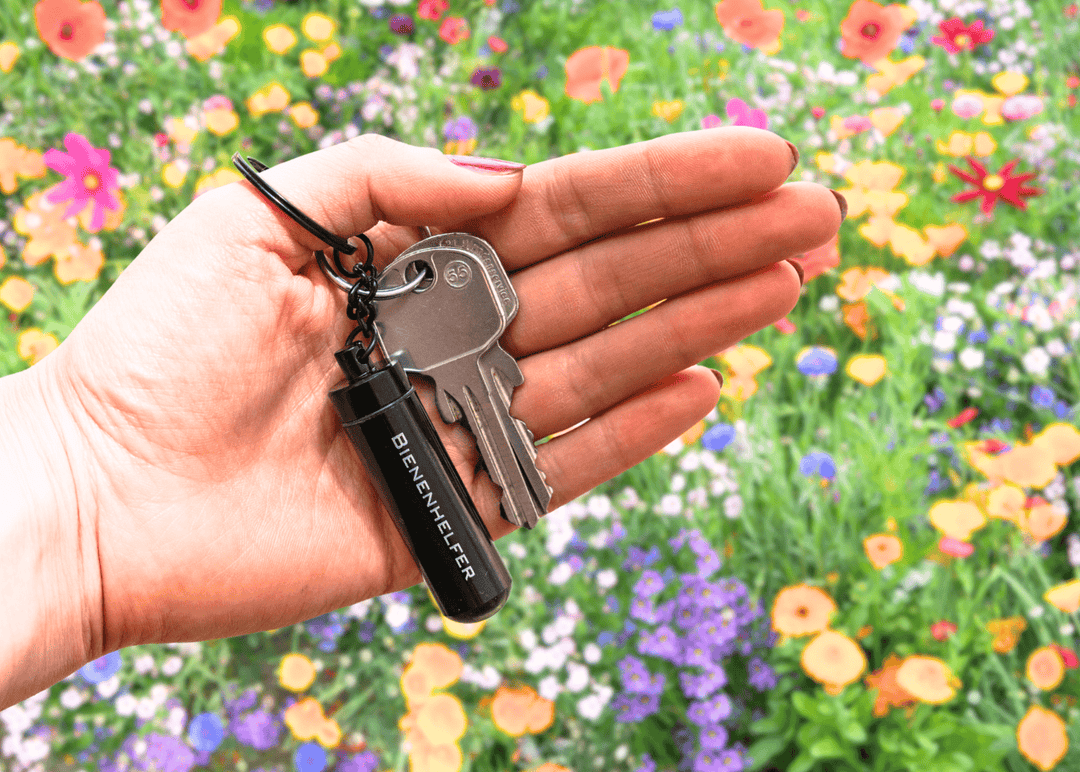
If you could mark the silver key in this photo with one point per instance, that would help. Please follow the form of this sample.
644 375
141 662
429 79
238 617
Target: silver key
450 332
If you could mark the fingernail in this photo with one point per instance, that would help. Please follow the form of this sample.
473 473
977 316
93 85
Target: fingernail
843 204
486 165
794 156
719 377
799 270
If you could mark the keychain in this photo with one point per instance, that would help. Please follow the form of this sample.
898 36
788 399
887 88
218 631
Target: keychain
391 431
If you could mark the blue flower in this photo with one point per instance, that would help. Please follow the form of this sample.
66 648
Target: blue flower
1042 396
667 20
167 754
102 669
258 729
205 732
310 757
818 462
935 400
816 360
718 437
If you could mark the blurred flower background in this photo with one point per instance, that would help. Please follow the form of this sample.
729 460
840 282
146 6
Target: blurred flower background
864 558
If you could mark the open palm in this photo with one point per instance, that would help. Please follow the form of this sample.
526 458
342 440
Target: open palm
223 494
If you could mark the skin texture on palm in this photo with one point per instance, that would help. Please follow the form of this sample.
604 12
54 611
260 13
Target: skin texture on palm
202 484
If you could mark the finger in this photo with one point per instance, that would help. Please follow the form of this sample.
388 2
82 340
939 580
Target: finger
348 188
627 433
567 201
566 385
585 289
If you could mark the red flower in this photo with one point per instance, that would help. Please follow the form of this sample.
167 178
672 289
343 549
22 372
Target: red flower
942 630
70 29
747 22
991 187
871 31
454 29
955 37
431 9
1068 655
967 414
190 17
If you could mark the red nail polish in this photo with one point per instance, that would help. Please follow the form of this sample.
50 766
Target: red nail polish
486 165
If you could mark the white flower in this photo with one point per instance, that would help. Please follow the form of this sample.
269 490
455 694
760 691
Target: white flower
564 626
433 623
159 693
670 504
1035 612
144 664
952 324
926 283
33 749
599 506
829 303
944 340
517 550
607 579
1036 361
577 677
678 482
971 358
690 461
146 708
126 704
1056 348
537 660
561 574
396 615
733 506
72 698
961 308
549 687
108 687
527 639
592 653
359 610
16 719
674 447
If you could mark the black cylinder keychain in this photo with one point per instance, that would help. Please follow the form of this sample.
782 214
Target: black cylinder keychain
393 434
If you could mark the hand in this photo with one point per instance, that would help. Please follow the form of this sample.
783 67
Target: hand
216 490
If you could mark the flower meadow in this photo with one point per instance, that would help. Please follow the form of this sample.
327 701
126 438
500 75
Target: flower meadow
865 558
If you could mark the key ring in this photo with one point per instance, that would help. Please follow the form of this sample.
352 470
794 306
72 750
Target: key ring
251 167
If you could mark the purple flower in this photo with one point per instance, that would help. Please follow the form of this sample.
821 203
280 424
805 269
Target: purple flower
258 729
205 732
460 129
361 762
718 437
818 462
638 559
244 702
731 761
711 711
402 24
662 642
1042 396
310 757
708 563
103 668
487 78
649 584
667 20
700 686
631 708
166 754
744 116
816 361
761 676
713 737
689 616
647 764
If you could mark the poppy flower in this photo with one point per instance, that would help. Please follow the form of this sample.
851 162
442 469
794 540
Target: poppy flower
892 74
1004 185
1027 465
1065 597
1042 738
957 519
521 710
942 630
1006 633
16 293
442 665
966 415
890 694
279 38
453 30
927 679
532 107
744 362
70 28
431 9
33 346
945 239
747 22
1045 668
296 672
1062 441
867 369
1068 656
820 259
1044 521
956 36
9 54
487 78
441 719
801 610
189 17
588 67
304 718
870 31
79 263
834 660
90 179
883 549
45 225
18 160
1006 502
213 41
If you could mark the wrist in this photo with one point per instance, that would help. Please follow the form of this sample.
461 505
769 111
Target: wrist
51 606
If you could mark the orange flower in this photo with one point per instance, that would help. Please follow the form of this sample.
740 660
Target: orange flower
820 259
1045 668
856 283
871 31
747 22
957 519
190 17
1041 737
1065 596
744 362
18 160
1006 502
442 665
434 758
1061 441
834 660
1029 466
521 710
34 345
305 718
16 293
890 694
79 263
441 719
70 28
588 67
1043 521
48 232
891 74
927 679
1006 633
296 672
213 41
883 549
801 610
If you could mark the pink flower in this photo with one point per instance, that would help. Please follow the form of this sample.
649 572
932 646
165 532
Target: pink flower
857 123
955 547
710 121
956 37
942 630
89 178
744 116
453 30
431 9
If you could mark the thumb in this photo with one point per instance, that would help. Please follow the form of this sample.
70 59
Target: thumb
348 188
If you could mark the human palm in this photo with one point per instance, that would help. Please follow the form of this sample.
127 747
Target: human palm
224 495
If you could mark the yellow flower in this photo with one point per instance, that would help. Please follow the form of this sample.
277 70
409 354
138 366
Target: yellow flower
669 111
801 610
1042 738
1045 668
79 263
1010 82
1006 502
9 54
1028 465
34 345
181 132
213 41
533 107
957 519
279 38
216 179
16 293
304 115
1061 440
834 660
927 679
908 243
1006 633
442 665
221 120
18 160
1065 596
48 232
891 74
304 718
945 239
886 119
296 672
313 63
441 719
883 549
317 27
331 51
175 172
961 144
867 369
271 98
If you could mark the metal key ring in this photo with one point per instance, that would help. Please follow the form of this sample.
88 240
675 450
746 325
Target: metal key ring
382 294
